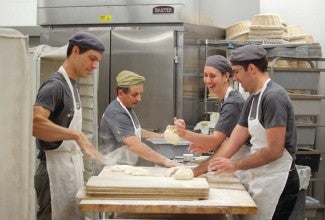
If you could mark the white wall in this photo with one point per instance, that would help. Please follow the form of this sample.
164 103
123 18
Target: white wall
223 13
18 12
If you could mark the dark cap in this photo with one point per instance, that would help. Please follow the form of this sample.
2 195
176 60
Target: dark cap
220 63
87 40
247 53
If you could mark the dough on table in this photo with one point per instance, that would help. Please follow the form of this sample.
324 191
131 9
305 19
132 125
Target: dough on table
183 173
170 135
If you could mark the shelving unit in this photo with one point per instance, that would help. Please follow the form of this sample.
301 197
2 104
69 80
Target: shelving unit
307 107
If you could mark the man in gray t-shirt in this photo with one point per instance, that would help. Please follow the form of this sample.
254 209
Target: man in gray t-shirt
120 132
267 117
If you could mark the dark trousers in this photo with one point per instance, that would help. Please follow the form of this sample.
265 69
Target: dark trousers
288 197
42 187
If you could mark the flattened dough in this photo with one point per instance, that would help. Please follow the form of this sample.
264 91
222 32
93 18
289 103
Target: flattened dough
130 170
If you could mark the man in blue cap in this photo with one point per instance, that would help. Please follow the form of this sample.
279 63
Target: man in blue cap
57 128
267 117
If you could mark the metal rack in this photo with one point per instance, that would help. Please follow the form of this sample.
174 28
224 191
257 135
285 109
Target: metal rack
309 152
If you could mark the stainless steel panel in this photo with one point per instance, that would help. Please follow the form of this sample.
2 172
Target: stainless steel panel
306 104
306 135
117 14
289 79
151 54
58 12
84 3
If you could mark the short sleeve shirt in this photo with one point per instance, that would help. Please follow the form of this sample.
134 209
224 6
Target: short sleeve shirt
55 95
230 112
275 110
115 126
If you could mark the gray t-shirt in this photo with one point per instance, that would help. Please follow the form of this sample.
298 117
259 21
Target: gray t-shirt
230 112
115 125
275 110
55 95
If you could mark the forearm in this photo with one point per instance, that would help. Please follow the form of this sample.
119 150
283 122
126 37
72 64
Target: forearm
274 149
149 134
258 159
208 142
145 152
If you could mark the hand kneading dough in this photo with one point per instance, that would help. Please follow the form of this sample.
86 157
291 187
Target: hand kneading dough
170 135
183 174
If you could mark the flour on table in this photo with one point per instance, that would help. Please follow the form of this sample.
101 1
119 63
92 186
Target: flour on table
120 168
137 171
130 170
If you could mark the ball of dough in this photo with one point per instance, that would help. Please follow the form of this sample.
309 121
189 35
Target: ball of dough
183 174
170 135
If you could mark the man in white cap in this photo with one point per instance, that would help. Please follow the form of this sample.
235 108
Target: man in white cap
57 128
267 117
120 132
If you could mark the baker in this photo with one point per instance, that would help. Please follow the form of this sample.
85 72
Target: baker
57 124
218 79
120 132
267 117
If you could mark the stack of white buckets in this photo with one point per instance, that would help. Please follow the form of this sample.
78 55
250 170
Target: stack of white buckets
208 127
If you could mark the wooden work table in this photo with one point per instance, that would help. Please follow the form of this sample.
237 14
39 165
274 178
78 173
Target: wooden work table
226 196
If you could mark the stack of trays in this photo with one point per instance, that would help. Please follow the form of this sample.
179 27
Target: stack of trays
238 31
295 34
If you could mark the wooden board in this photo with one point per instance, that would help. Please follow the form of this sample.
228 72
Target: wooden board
220 201
118 185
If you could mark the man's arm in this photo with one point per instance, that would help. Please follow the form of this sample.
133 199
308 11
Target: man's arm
227 150
144 151
46 130
205 142
275 139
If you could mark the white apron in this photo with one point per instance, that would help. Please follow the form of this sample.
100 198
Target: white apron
65 169
244 151
123 155
267 182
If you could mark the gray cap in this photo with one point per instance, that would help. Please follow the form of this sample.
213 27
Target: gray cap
247 53
87 40
220 63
